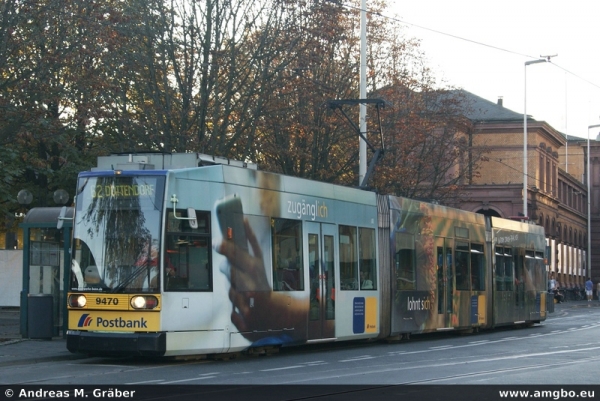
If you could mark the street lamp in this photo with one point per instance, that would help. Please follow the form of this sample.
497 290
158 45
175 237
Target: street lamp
589 207
541 60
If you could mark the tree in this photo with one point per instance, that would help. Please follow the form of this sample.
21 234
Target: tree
246 79
429 152
299 135
428 147
428 140
54 81
193 73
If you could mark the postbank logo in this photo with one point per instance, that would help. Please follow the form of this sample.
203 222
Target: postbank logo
85 320
115 321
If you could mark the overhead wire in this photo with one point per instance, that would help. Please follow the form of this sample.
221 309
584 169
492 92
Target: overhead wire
355 8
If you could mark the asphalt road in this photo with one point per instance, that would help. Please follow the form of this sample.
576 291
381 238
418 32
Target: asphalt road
561 350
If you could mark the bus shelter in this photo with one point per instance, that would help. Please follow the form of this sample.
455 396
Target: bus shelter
46 272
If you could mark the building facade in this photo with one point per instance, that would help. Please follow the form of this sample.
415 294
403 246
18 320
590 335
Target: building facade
557 195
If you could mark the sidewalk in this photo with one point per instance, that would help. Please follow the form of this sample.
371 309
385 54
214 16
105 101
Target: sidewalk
15 350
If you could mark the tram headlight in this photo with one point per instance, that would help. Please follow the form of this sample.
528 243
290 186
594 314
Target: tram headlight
77 301
144 302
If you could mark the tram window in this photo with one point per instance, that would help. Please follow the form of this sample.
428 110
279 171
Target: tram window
530 270
181 224
462 266
187 254
348 258
477 267
461 232
441 283
288 270
508 270
499 276
404 260
540 270
368 265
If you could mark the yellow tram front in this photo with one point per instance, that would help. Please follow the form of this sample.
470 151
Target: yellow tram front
114 300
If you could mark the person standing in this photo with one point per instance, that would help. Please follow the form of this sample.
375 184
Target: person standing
552 283
589 287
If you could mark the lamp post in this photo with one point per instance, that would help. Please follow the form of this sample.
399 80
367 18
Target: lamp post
589 207
541 60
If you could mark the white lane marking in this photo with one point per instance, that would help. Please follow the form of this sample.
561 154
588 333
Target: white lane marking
357 358
189 380
282 368
489 342
314 363
337 375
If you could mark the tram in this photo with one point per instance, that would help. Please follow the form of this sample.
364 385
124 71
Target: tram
186 254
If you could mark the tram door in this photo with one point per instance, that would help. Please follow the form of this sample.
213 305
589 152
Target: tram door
445 280
321 240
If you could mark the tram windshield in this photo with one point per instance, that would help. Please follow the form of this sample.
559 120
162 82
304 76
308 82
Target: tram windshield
117 234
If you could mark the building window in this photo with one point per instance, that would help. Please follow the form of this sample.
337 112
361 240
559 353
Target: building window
548 176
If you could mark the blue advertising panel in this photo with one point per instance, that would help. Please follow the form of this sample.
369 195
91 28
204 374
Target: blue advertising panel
358 312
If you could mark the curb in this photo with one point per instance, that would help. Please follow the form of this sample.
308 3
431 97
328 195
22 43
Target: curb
9 341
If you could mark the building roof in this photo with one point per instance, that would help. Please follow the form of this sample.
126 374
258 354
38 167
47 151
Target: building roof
480 109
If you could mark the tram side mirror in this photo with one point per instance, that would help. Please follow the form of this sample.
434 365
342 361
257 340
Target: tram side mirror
191 215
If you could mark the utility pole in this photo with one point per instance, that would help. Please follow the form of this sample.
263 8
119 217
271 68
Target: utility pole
362 116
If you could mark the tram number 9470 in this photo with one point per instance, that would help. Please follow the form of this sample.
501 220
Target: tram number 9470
107 301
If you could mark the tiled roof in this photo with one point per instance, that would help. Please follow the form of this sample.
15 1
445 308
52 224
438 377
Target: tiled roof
480 109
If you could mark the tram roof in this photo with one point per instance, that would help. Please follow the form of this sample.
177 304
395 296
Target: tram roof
164 161
516 225
273 181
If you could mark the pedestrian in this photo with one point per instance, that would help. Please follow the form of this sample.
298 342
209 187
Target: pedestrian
589 287
552 283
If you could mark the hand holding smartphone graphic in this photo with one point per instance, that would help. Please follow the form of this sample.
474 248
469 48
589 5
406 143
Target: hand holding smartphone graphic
255 306
246 270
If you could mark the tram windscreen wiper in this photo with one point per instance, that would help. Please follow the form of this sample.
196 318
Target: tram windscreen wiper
139 270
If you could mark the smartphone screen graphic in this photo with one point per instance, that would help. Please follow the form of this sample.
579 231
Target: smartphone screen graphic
230 215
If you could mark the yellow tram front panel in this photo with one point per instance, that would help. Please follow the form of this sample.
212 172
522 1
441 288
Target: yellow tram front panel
114 312
114 321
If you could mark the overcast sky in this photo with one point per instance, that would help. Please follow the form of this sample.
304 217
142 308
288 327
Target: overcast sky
482 46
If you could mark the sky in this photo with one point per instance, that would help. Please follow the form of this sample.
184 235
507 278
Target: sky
482 46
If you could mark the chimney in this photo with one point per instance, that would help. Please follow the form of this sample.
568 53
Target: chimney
500 101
